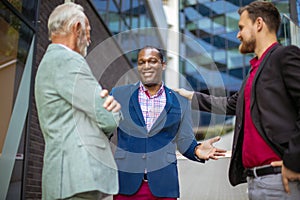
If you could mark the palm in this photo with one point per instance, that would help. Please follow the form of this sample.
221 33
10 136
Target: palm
206 150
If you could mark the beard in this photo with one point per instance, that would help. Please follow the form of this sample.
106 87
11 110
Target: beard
247 46
148 85
82 44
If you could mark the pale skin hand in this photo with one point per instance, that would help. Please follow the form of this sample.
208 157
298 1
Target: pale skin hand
207 151
110 103
287 175
185 93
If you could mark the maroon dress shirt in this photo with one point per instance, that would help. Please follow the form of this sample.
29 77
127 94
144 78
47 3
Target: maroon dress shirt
256 152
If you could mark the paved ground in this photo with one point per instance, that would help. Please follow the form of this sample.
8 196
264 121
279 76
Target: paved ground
209 181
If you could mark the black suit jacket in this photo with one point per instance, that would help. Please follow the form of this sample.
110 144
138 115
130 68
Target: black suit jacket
275 109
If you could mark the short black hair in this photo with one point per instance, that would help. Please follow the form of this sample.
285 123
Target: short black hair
160 52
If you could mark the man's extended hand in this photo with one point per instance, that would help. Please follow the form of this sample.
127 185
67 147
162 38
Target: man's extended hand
185 93
206 150
287 175
110 103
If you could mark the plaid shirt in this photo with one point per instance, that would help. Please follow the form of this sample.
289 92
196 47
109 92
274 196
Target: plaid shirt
151 106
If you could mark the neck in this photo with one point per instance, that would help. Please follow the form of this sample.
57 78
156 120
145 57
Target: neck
67 40
152 88
263 43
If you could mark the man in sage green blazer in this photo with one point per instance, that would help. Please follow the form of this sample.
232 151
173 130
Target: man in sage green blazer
76 121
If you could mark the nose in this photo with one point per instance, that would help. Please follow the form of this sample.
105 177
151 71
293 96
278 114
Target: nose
238 35
147 65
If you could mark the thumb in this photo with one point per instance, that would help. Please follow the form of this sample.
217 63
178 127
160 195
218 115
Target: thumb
276 163
215 139
285 182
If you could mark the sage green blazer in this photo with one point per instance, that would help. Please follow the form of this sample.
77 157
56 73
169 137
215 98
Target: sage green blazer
75 127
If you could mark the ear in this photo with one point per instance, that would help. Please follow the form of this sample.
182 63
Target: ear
164 66
77 29
260 23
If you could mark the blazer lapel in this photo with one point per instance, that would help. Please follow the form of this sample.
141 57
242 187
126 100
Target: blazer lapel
134 102
259 70
163 115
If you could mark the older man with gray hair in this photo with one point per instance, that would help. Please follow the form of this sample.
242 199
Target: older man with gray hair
76 116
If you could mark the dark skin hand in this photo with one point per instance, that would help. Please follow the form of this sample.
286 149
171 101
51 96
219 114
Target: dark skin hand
207 151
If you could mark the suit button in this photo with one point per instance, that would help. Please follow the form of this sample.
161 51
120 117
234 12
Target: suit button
144 156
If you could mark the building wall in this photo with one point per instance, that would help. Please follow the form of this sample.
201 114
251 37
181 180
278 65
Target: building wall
35 143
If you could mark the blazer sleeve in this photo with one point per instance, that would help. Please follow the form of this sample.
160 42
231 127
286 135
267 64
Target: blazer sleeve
77 85
290 66
186 142
213 104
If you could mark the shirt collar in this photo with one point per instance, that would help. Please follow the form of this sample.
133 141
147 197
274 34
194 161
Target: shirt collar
64 46
158 93
254 62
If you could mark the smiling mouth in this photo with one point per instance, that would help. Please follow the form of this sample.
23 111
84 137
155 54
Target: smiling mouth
147 73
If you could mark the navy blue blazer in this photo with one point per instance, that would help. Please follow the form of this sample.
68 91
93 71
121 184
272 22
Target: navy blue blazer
155 151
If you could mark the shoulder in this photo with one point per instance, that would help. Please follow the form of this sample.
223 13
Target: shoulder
123 88
176 97
64 54
124 91
291 49
286 54
175 94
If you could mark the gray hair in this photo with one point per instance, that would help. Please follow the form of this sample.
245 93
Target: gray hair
64 16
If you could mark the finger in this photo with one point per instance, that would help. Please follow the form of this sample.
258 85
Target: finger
104 93
285 182
215 139
221 150
214 157
219 154
111 106
108 101
116 108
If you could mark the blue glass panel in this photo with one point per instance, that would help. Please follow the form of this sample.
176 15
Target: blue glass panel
232 20
219 56
191 14
112 6
231 37
135 3
100 5
221 7
298 10
203 10
125 5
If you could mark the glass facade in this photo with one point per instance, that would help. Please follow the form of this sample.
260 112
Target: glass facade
213 25
15 41
128 20
16 34
298 10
